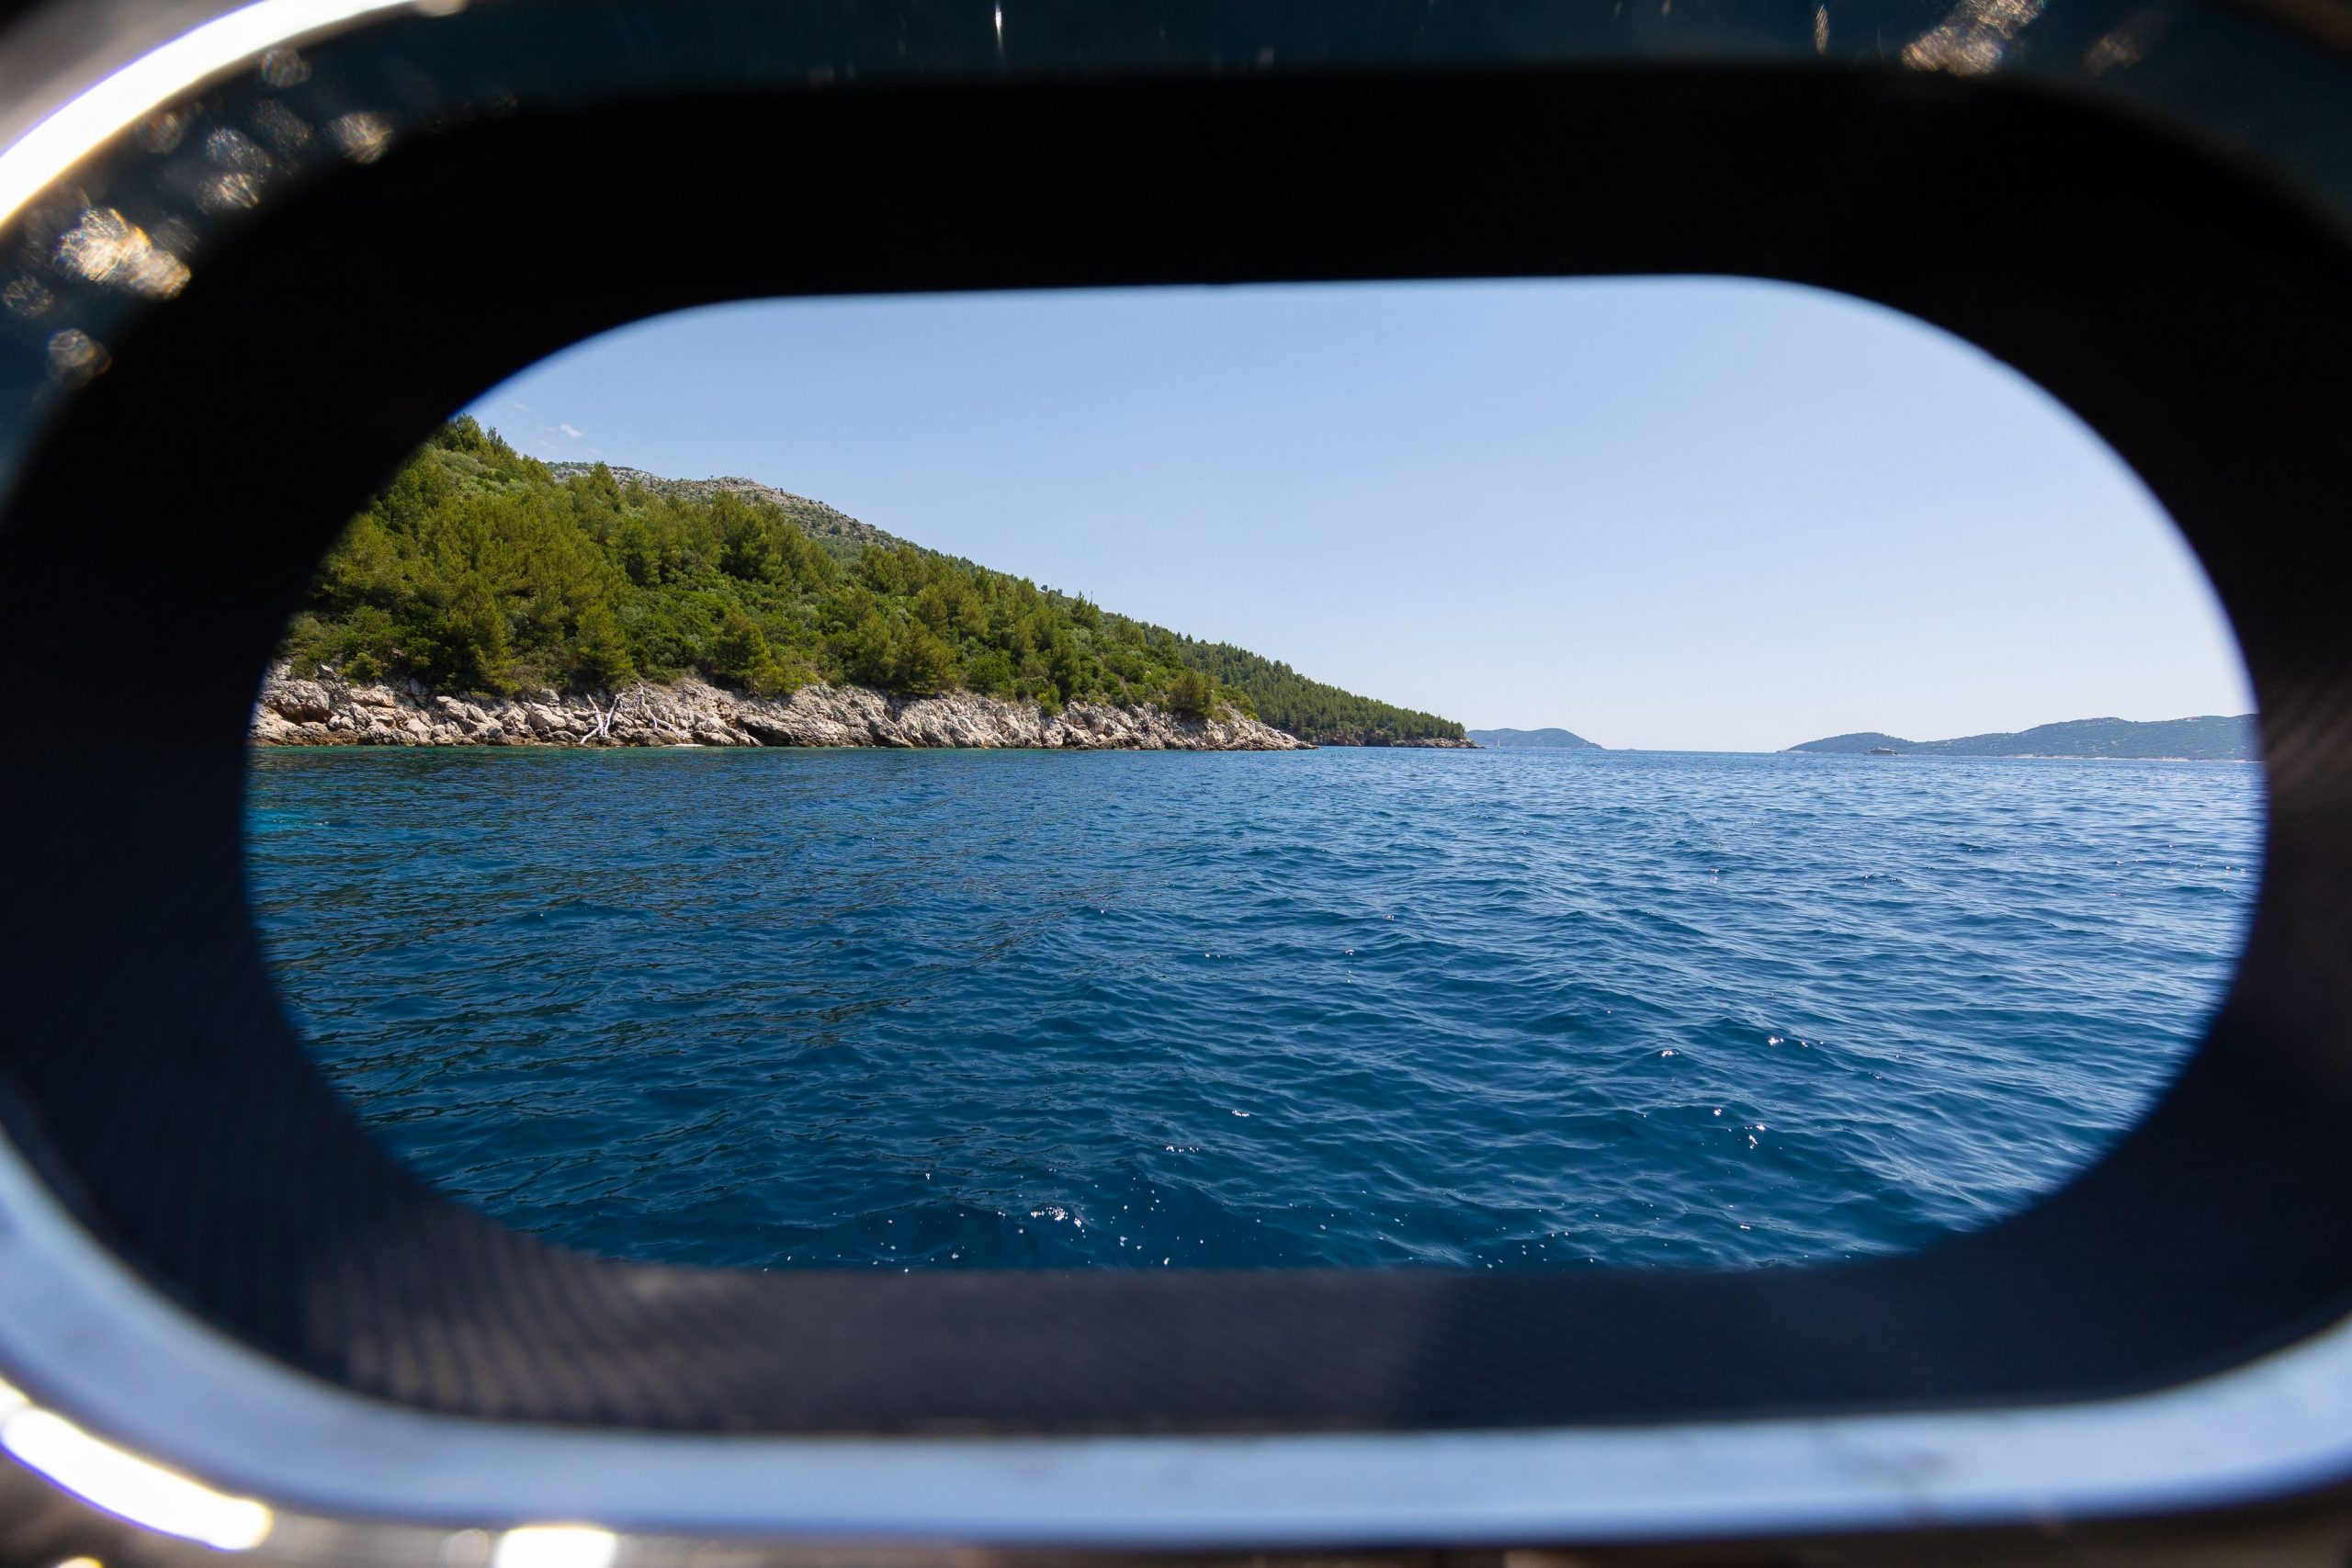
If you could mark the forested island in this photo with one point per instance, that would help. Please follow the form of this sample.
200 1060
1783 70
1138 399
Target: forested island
485 595
2209 739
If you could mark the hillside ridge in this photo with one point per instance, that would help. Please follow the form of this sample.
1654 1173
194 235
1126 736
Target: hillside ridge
1551 738
826 525
479 573
2206 738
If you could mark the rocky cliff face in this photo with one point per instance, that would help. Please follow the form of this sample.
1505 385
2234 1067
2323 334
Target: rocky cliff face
295 712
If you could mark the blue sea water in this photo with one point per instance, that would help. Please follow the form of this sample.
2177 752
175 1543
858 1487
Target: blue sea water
1354 1007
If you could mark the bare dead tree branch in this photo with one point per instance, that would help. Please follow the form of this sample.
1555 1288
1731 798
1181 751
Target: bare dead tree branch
606 716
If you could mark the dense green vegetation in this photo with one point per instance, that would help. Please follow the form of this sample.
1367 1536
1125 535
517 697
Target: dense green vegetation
478 570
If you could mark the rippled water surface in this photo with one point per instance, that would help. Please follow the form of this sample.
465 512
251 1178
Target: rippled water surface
1478 1010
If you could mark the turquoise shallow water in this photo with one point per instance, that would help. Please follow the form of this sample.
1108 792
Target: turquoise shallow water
1477 1010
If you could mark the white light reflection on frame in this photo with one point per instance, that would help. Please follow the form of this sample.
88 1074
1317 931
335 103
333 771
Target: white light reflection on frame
115 103
123 1484
555 1546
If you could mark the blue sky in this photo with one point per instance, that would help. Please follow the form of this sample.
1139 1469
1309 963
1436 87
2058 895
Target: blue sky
1702 514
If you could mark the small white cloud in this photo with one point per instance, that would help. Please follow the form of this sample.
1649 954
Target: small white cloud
524 408
567 430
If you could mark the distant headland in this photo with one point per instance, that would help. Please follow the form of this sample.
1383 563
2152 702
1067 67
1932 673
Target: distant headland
2209 739
485 598
1533 740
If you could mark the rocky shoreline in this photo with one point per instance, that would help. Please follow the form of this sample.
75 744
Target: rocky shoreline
294 711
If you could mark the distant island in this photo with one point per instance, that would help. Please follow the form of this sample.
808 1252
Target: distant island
1533 740
2210 739
487 598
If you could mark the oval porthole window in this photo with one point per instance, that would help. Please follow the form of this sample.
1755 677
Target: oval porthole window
1480 775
